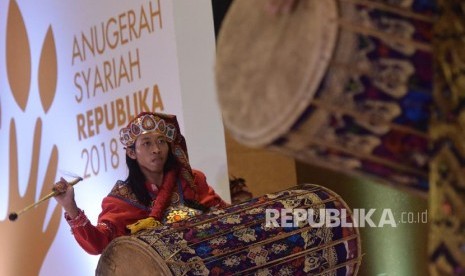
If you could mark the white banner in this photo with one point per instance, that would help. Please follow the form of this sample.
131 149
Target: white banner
74 74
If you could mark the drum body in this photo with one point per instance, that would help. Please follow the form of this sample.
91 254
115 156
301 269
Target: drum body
346 84
240 240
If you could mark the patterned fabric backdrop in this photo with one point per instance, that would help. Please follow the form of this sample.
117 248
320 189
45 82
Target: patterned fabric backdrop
447 129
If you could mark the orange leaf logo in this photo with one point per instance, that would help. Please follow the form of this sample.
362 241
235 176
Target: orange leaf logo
18 56
48 72
27 230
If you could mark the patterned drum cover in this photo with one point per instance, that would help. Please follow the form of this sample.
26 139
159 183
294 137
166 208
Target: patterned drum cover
238 241
346 84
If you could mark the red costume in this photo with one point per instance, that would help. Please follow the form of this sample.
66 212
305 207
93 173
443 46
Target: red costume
121 207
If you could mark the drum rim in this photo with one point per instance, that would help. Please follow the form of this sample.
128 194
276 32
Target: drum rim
356 229
142 247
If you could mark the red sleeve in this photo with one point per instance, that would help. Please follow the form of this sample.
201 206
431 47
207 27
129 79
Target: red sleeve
112 221
205 194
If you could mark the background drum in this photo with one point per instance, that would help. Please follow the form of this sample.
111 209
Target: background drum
237 241
345 84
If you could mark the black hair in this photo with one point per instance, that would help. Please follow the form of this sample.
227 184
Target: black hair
136 181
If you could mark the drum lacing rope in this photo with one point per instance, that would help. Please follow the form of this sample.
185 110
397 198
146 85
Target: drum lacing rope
285 259
304 253
217 217
333 198
243 226
270 240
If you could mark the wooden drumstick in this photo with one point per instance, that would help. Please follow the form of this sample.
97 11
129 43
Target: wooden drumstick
13 216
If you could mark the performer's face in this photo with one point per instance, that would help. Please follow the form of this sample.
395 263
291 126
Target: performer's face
151 152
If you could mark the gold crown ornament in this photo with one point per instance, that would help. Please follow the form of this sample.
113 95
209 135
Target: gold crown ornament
144 123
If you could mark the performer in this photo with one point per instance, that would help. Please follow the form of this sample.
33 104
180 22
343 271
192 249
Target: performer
161 186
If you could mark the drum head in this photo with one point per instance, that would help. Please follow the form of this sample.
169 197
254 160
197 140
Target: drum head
130 256
268 68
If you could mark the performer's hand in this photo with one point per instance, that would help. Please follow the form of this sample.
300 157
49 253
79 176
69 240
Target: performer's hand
65 197
142 224
275 7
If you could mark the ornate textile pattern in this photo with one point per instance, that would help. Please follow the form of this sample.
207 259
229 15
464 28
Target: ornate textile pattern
122 191
370 114
175 212
237 240
147 122
178 212
447 177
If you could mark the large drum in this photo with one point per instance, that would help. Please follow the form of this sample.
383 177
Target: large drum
346 84
242 239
